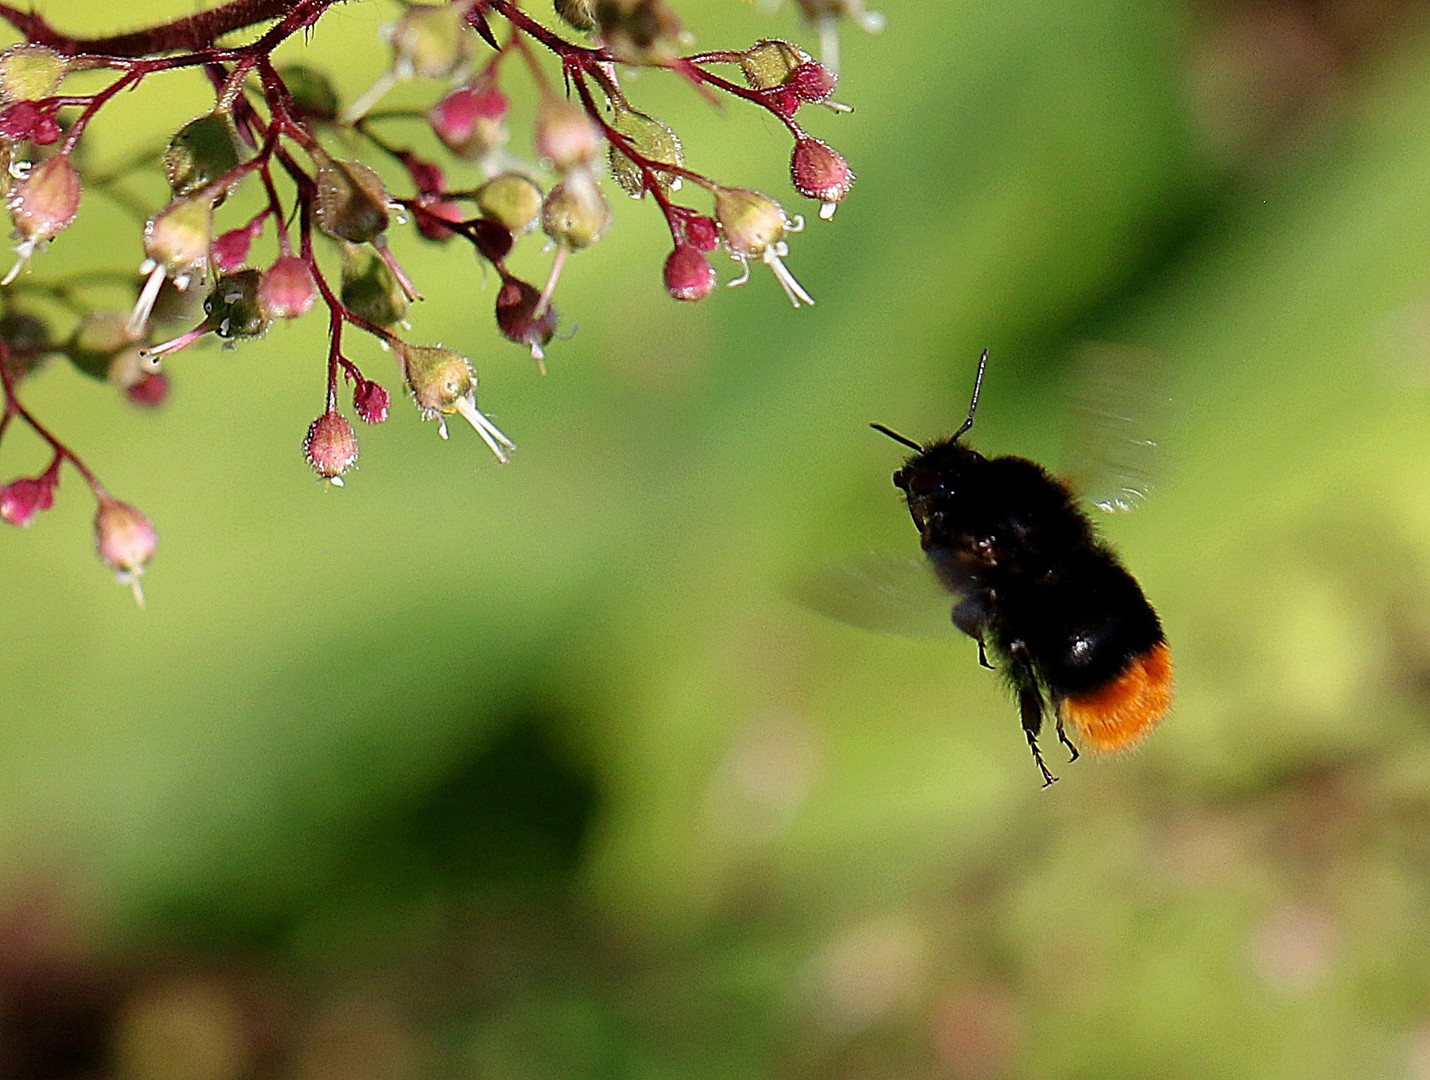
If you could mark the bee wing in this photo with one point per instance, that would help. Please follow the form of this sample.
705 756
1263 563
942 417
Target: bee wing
1113 456
885 593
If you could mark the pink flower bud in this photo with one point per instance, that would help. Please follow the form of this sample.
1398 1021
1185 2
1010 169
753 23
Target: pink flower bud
19 120
150 389
688 274
370 401
21 500
47 131
331 447
565 135
125 540
46 202
437 210
287 290
517 319
820 172
468 121
702 232
230 251
812 82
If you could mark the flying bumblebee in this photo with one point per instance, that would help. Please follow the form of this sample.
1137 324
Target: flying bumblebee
1036 588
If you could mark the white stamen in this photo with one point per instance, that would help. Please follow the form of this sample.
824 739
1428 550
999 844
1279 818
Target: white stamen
375 93
490 433
144 306
829 43
793 289
744 272
871 22
23 251
442 426
131 578
826 210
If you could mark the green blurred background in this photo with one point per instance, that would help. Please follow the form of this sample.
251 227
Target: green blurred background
536 771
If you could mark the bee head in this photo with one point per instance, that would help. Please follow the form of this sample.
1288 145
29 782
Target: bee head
931 478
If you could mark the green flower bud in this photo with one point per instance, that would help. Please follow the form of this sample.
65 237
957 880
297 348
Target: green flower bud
639 31
98 345
232 306
200 152
312 91
430 40
442 382
652 140
767 64
438 378
352 203
30 72
370 289
512 200
178 238
575 213
749 221
577 14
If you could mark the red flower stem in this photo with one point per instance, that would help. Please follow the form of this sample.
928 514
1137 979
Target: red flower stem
13 408
190 33
557 44
647 167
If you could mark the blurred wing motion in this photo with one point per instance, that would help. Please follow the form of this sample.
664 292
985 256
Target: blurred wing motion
886 593
1113 457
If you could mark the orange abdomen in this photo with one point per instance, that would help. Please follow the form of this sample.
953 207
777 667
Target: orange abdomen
1124 710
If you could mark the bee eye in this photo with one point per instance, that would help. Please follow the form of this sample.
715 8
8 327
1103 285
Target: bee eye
920 483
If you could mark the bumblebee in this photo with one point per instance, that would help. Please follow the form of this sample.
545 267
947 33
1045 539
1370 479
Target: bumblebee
1039 591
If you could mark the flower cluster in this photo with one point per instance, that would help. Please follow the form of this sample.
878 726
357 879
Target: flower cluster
272 213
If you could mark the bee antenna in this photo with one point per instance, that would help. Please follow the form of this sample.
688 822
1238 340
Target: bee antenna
973 405
897 437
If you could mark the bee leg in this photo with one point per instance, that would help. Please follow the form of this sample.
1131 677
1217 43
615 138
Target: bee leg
1030 703
983 655
1063 738
971 616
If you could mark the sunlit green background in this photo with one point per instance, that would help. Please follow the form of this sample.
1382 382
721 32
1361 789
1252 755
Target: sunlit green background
537 771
